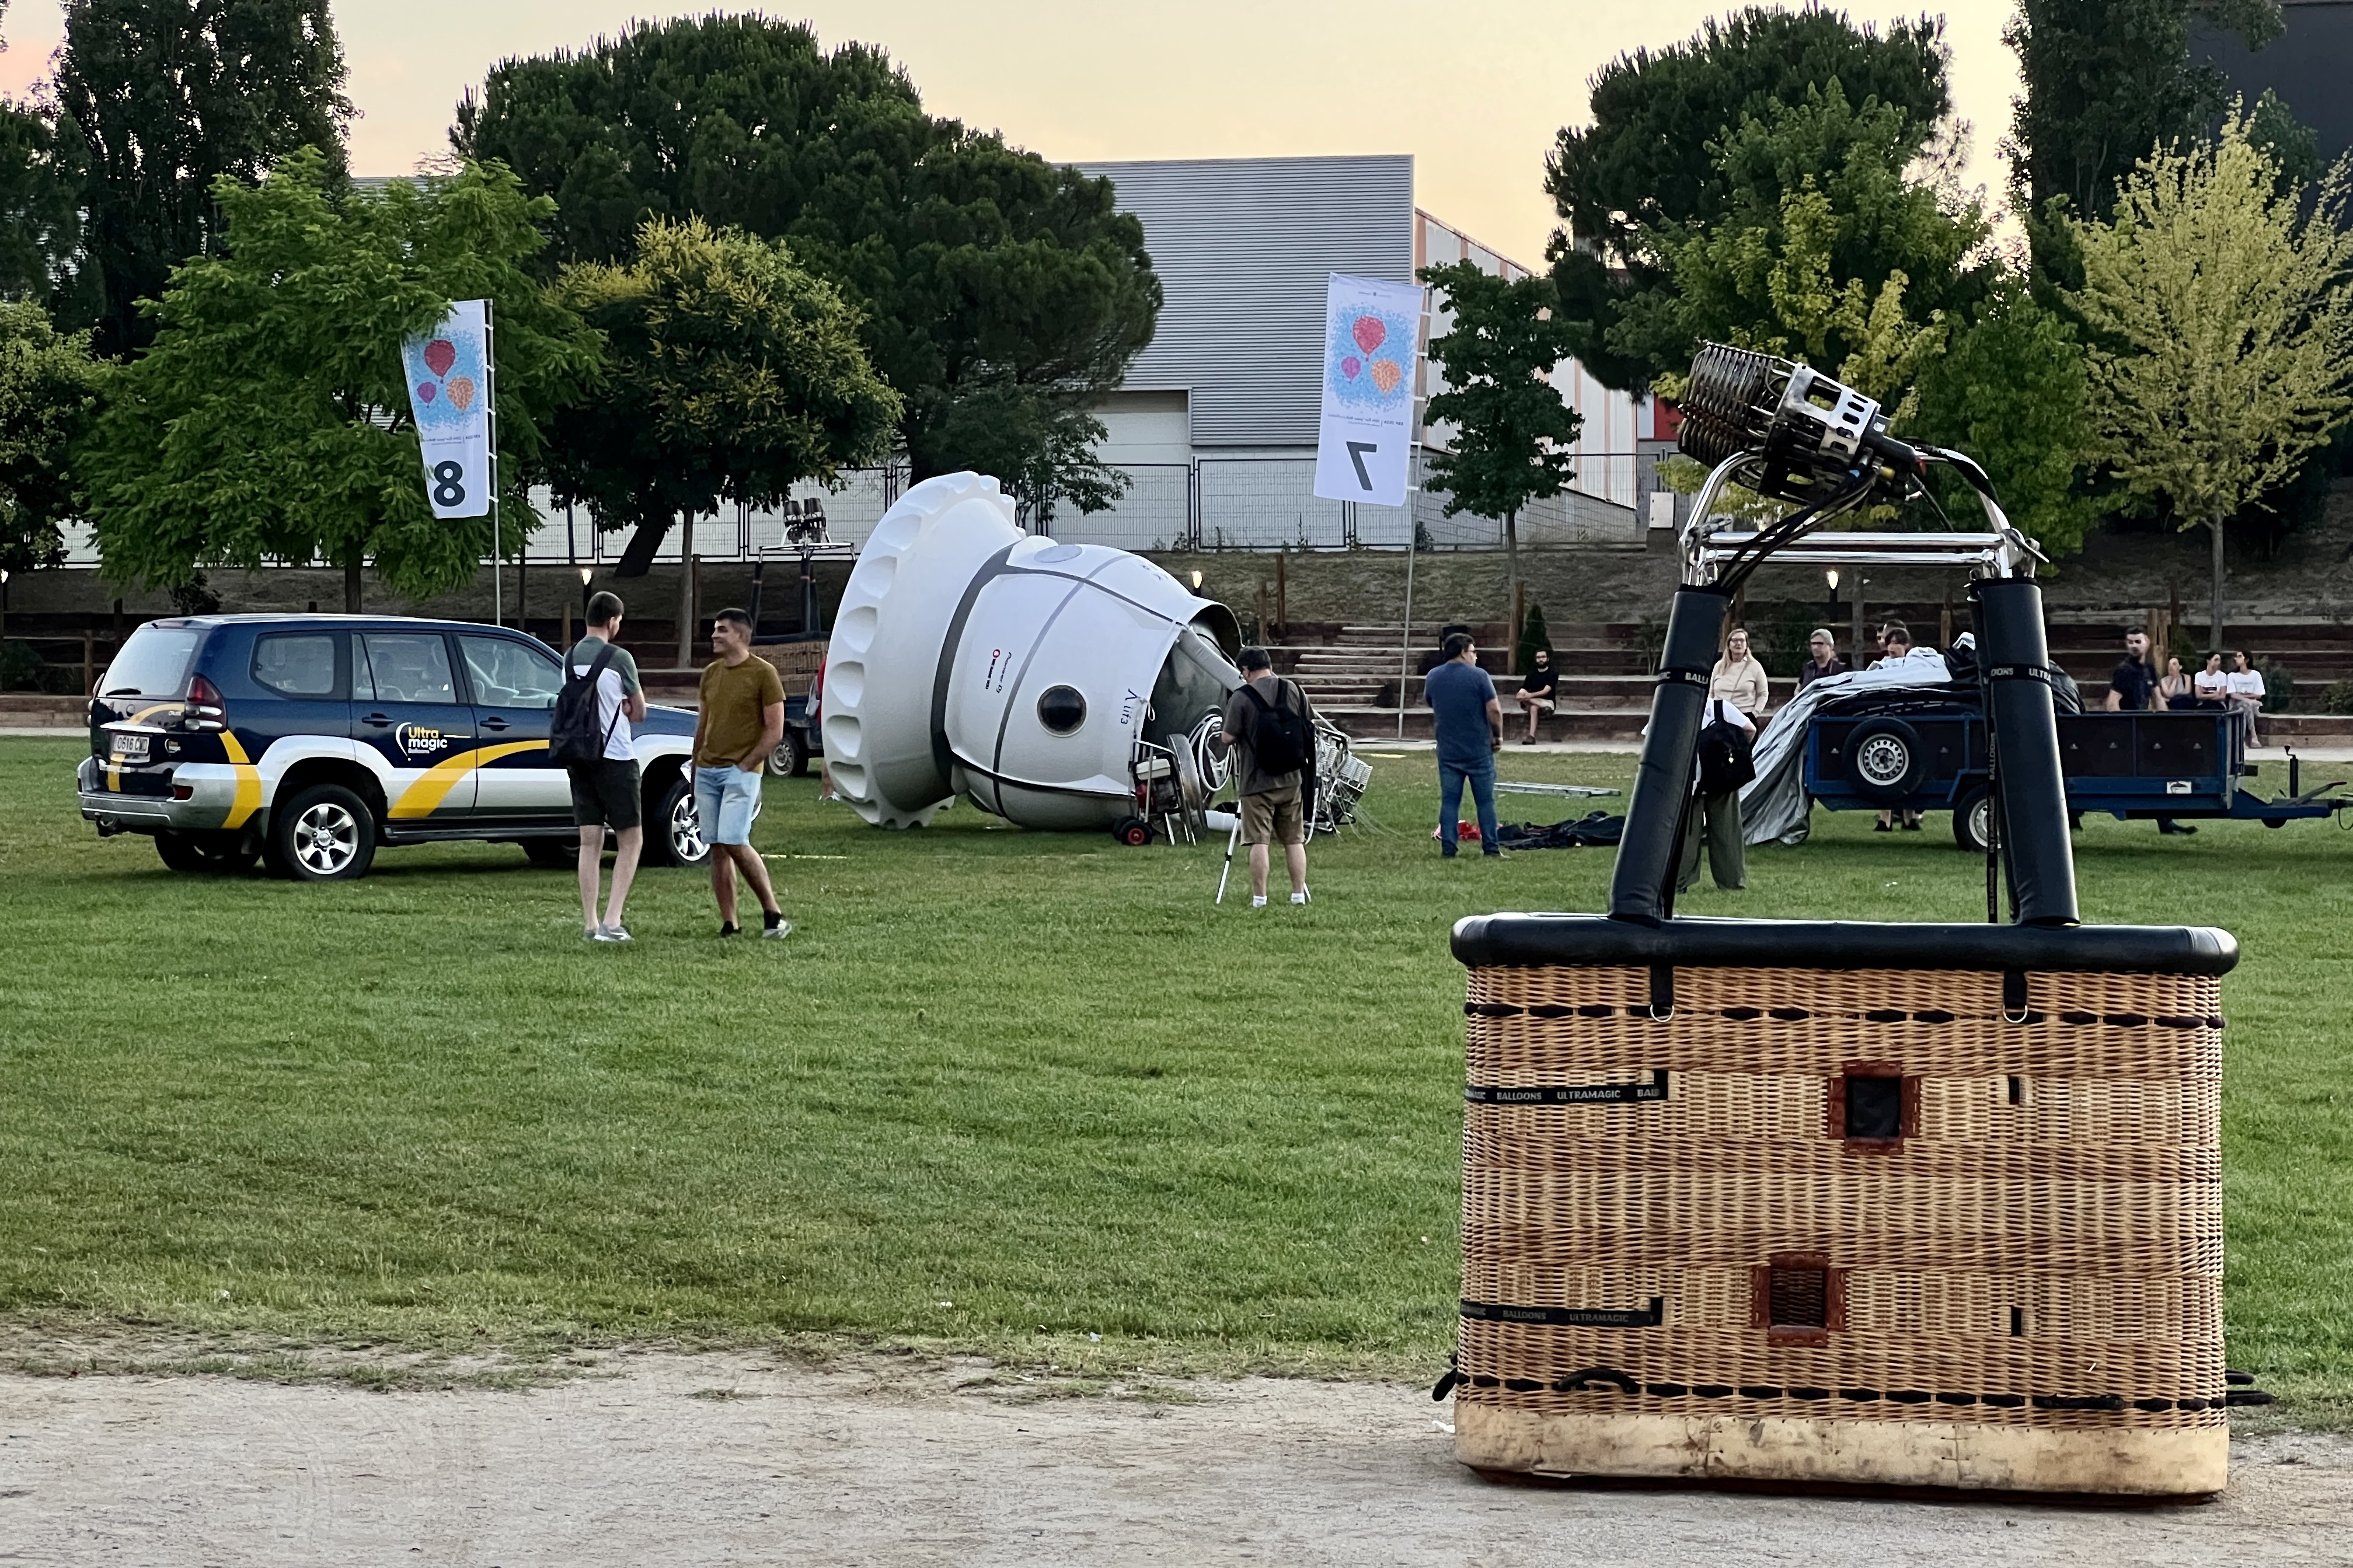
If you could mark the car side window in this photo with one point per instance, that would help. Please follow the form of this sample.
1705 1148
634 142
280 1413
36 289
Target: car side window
508 674
296 664
410 667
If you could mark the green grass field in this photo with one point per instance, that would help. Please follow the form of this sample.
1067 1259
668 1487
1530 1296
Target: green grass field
1001 1089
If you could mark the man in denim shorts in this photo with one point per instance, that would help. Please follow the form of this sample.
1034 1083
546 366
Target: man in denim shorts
741 722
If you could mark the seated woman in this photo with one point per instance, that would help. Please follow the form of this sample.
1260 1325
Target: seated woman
2246 688
1536 695
2210 686
2174 689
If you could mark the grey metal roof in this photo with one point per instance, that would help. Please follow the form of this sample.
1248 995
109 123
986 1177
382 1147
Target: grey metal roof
1242 247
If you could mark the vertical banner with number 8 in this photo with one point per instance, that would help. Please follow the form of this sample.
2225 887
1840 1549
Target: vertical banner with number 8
1372 334
449 392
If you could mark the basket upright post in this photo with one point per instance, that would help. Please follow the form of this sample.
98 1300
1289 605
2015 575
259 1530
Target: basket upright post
2014 657
1655 815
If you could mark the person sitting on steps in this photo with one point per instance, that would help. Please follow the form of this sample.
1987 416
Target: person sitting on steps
1536 695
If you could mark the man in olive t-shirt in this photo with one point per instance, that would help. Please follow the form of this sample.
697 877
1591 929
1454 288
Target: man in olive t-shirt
742 719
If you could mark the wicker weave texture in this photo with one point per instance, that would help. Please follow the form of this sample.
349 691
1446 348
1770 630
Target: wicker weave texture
2041 1245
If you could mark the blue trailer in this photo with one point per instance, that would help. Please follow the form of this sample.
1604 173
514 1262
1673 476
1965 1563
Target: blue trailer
1916 753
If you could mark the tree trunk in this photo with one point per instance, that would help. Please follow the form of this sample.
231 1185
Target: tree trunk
2214 622
689 569
638 554
1511 577
352 581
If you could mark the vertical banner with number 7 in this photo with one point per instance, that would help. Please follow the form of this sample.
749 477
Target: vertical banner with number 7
1372 328
449 392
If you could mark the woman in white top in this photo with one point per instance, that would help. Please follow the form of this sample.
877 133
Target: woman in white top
2246 690
2211 685
1739 680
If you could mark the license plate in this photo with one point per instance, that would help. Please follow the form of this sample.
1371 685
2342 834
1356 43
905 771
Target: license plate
130 748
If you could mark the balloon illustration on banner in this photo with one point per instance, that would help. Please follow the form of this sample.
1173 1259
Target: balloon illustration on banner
448 372
1371 329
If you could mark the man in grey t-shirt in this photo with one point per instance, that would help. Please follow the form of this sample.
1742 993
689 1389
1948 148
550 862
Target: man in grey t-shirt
604 792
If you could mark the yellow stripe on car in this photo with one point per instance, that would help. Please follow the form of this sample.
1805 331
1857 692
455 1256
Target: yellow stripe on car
248 799
426 796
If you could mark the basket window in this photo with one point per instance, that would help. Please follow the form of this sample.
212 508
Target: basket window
1799 1298
1874 1105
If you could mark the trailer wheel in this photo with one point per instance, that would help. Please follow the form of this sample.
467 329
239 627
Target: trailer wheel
1886 761
1131 831
1973 820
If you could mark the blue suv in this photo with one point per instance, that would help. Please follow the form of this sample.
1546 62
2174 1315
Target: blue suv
309 740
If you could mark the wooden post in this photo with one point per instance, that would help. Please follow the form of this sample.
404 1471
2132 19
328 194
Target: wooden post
1519 620
1861 657
88 663
566 647
1281 596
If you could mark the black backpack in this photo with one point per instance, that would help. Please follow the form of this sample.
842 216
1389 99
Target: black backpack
1280 741
573 735
1726 761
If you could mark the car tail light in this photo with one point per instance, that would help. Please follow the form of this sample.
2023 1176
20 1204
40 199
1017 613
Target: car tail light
184 792
206 710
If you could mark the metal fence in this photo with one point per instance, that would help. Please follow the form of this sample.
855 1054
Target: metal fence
1210 503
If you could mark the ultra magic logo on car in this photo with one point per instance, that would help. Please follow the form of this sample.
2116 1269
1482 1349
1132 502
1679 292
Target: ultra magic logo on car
416 741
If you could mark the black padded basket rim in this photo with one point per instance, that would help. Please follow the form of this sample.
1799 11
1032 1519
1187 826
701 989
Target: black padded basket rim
1594 941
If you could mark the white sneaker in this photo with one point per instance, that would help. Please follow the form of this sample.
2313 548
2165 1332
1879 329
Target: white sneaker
1258 900
1300 897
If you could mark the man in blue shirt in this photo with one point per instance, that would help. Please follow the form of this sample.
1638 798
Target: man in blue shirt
1470 725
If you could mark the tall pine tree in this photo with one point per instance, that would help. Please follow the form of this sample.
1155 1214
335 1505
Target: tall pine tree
169 94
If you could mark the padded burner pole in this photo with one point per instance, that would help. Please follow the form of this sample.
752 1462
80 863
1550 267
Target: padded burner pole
1648 849
2014 657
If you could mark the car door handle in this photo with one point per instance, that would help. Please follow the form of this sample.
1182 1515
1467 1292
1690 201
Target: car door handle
494 723
376 719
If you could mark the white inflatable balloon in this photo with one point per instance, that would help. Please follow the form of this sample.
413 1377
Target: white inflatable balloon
971 659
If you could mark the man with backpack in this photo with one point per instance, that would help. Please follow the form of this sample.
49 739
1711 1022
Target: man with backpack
589 734
1722 765
1272 727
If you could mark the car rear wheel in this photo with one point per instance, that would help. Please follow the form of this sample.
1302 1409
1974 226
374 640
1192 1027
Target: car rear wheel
791 757
325 834
673 831
220 854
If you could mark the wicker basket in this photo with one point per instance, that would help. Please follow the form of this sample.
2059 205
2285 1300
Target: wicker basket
1948 1214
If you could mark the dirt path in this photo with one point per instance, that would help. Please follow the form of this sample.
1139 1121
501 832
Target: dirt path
665 1458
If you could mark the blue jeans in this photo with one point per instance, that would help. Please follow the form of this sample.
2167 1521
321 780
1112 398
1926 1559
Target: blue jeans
1481 775
726 800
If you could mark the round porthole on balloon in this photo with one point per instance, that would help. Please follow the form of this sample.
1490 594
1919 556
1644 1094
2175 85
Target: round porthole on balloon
1061 709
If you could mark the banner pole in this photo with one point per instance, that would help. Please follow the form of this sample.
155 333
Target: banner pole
498 559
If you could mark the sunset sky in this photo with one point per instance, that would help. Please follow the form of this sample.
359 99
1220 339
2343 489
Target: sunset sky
1475 92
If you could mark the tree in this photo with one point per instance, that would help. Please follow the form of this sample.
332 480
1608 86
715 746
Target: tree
1648 160
1003 295
41 173
1512 431
169 95
2222 317
2008 390
270 419
731 372
2105 80
1823 250
49 389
